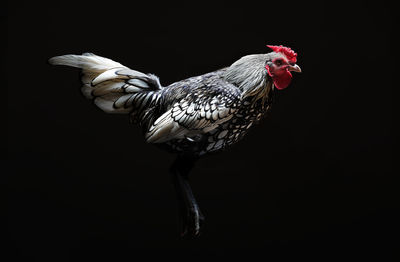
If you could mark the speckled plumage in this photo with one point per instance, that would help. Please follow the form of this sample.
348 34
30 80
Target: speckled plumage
212 94
197 115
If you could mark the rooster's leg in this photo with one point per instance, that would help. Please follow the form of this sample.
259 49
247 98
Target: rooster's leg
191 216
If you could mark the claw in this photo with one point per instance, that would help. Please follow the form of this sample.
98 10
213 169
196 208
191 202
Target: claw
192 223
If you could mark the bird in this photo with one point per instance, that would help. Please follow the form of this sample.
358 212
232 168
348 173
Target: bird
191 118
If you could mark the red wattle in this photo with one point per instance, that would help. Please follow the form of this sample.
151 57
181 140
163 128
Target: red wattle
283 80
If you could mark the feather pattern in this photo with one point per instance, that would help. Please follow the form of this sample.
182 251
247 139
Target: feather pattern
113 87
195 111
199 115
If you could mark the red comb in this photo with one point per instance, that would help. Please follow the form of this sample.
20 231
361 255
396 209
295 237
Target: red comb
289 53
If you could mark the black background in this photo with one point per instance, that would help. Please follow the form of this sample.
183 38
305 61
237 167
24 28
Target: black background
311 182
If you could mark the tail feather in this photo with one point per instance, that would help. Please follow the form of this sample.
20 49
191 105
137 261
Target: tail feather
86 61
113 86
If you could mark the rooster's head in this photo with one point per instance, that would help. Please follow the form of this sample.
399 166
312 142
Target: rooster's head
251 73
279 65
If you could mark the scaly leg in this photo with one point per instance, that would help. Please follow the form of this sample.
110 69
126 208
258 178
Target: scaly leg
191 216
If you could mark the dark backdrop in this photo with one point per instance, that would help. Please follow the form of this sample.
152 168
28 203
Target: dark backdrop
310 182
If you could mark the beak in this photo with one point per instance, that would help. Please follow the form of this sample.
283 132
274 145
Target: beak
294 68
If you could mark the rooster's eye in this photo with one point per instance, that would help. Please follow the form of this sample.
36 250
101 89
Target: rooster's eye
278 62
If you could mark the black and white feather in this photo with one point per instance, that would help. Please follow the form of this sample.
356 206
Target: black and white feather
198 115
113 87
203 105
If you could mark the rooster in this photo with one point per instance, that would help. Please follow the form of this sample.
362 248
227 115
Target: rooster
192 117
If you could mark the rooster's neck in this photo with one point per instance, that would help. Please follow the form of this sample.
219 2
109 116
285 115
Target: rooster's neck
250 76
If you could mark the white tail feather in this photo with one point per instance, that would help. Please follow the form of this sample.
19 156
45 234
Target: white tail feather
109 83
86 61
